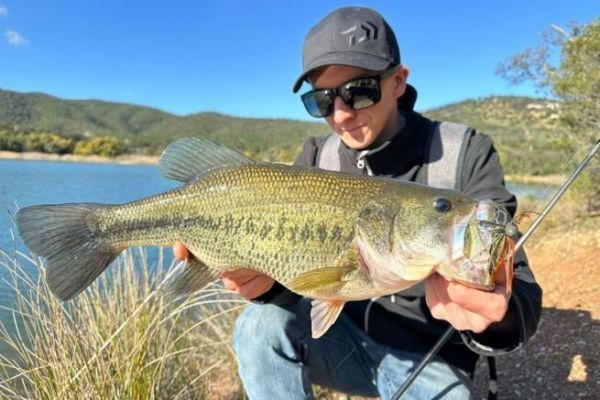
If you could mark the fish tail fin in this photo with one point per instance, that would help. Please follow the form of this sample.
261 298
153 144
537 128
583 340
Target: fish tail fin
65 235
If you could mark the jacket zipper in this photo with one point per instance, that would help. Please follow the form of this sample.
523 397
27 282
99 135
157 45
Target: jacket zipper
362 164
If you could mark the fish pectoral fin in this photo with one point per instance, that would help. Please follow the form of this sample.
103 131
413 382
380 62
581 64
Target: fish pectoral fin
187 158
323 314
318 278
194 276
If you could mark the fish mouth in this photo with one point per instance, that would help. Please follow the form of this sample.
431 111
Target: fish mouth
494 224
478 244
488 211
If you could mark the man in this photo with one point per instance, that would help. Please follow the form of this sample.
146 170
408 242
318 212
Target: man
352 62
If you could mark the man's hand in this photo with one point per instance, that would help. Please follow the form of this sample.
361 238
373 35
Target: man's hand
247 282
466 308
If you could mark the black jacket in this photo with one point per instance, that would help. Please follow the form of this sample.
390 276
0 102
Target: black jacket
403 320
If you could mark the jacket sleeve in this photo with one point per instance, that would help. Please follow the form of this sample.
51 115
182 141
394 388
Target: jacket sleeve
483 177
279 294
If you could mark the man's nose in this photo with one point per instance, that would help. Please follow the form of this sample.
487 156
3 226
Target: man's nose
341 111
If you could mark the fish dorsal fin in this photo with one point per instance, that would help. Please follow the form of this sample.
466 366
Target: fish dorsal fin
323 314
187 158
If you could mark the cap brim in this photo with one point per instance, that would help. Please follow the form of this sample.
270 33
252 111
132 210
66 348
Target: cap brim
359 60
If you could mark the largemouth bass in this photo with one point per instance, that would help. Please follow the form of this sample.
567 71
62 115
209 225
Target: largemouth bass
329 236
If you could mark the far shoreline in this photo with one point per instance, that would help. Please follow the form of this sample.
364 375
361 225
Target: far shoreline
140 159
126 159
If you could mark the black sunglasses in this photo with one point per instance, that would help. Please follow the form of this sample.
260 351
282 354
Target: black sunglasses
357 94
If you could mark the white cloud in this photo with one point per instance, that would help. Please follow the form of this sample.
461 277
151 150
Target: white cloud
3 11
15 39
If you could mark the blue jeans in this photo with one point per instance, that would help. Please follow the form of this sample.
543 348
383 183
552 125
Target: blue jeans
278 359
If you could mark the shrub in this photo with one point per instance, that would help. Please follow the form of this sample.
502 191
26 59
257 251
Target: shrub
105 146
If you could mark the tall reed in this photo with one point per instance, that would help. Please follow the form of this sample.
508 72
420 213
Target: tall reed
122 338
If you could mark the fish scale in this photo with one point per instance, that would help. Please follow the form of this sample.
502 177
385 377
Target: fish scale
244 216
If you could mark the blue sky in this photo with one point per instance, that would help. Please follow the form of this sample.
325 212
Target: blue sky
242 57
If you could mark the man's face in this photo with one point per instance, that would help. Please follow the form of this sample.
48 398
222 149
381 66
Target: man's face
359 129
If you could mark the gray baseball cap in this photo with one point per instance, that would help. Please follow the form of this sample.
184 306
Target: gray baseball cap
353 36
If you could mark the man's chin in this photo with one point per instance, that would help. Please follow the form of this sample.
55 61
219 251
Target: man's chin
356 140
354 144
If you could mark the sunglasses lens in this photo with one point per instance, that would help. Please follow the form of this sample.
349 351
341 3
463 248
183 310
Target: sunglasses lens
361 93
319 103
357 94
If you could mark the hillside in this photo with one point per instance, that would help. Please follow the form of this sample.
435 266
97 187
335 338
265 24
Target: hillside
148 129
521 127
524 131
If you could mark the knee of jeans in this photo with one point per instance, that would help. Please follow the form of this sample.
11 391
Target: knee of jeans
265 325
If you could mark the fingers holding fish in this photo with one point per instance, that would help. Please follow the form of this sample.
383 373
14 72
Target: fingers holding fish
180 252
490 305
248 283
463 307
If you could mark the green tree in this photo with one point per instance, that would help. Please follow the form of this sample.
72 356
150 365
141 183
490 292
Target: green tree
9 141
566 64
57 144
105 146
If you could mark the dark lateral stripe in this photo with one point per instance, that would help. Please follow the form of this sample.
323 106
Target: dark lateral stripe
233 225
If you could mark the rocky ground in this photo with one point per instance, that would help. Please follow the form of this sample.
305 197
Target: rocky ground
562 359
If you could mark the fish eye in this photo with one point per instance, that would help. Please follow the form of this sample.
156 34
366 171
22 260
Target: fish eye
442 204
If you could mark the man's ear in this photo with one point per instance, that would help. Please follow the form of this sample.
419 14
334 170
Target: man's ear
400 78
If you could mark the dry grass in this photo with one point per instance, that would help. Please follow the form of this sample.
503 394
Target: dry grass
124 337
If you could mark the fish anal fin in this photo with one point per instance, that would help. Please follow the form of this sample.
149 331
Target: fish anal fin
194 276
323 314
318 279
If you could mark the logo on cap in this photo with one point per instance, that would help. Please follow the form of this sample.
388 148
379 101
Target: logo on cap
368 30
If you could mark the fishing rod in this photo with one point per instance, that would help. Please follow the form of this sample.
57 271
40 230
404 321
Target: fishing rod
450 331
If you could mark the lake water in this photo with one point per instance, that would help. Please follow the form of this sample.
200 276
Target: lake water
24 183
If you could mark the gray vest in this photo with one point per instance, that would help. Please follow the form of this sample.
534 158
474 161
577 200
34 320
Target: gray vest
443 164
